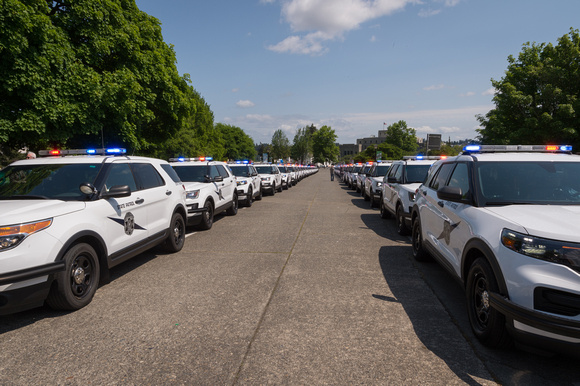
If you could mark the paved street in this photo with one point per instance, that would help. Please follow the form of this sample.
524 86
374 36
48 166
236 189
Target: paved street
309 286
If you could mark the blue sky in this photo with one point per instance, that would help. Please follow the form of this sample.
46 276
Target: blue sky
353 65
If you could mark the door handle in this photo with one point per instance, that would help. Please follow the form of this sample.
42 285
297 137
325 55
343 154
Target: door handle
139 201
168 193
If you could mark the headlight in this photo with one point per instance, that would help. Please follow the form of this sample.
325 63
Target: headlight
265 178
12 235
379 184
554 251
411 196
243 182
192 194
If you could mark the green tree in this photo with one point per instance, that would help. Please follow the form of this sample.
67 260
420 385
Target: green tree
280 145
401 136
302 145
537 101
324 148
238 145
390 151
80 72
263 148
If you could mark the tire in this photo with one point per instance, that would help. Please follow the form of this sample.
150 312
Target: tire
419 252
249 197
487 324
274 189
281 187
233 209
372 202
285 187
402 228
207 216
77 284
366 198
176 237
384 211
259 196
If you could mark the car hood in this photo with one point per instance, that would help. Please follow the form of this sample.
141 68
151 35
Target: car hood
23 211
412 187
548 221
196 185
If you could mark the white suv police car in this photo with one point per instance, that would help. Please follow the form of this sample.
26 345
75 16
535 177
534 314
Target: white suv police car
399 186
373 182
249 184
271 178
66 220
211 189
505 221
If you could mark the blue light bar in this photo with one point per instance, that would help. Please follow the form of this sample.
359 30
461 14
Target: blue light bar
208 158
419 157
566 148
116 150
472 148
91 151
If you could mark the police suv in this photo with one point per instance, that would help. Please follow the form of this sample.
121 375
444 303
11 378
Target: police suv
505 221
399 186
373 182
271 177
67 218
211 189
249 184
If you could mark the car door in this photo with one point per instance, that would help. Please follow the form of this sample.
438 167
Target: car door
228 183
126 217
255 179
388 189
155 196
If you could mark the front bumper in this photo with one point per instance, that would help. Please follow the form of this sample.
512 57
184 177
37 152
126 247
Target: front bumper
30 296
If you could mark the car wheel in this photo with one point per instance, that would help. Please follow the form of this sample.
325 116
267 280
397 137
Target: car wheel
233 209
384 212
419 252
402 228
273 189
280 187
487 324
249 197
176 237
365 196
259 196
372 202
207 216
77 284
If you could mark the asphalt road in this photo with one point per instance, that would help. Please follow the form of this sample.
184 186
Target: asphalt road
309 286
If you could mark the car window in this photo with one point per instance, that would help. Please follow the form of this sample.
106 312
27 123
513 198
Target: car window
191 173
222 171
147 176
440 178
213 171
171 172
399 172
460 179
417 173
120 174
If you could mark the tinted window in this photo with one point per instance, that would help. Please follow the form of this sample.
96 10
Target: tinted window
222 171
240 171
381 170
171 172
417 173
393 170
441 178
213 171
191 173
120 174
147 176
59 181
460 179
264 169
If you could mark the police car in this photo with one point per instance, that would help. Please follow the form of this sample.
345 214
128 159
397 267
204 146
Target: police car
211 189
398 189
286 175
373 182
271 178
505 221
66 219
249 184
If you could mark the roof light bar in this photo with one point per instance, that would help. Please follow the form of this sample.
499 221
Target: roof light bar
516 148
187 159
103 151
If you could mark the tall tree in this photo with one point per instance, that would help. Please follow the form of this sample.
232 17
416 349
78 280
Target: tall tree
238 145
324 148
401 136
280 145
538 99
301 147
80 71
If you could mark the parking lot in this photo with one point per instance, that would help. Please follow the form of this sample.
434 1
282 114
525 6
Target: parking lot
309 286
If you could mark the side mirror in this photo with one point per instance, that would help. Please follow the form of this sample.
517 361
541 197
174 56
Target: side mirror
218 179
118 191
450 193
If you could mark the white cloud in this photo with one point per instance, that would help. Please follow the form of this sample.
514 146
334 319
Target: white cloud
429 12
467 94
434 87
307 45
245 103
489 91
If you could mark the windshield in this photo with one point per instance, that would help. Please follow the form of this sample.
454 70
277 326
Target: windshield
240 171
191 173
59 181
283 169
264 169
503 183
381 170
417 173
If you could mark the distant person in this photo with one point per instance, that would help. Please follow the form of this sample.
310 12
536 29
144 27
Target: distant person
331 172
